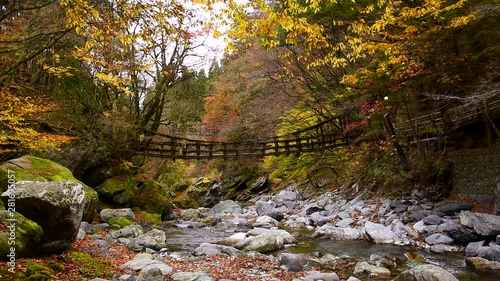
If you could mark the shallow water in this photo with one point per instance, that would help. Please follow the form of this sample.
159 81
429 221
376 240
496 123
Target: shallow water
188 239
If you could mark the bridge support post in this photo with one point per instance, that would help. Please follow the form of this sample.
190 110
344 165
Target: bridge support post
399 150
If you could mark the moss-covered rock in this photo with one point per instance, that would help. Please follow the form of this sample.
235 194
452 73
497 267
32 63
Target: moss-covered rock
27 235
120 221
152 197
118 190
145 218
91 267
31 168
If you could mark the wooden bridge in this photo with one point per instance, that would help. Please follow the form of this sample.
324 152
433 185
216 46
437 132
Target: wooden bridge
323 136
326 135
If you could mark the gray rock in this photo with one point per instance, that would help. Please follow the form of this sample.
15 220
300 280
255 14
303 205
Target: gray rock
263 207
484 224
491 253
224 207
338 233
379 234
352 278
319 219
81 235
107 214
472 248
320 276
437 238
233 239
433 220
372 270
151 274
130 231
459 233
450 208
443 248
192 215
145 260
345 222
57 207
298 262
154 239
262 243
191 276
266 222
426 272
207 249
284 236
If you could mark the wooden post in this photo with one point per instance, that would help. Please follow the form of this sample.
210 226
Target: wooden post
399 150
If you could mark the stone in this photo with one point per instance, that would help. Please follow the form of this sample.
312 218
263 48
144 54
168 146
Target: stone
225 207
426 272
379 234
263 207
266 222
31 168
130 231
314 208
233 239
437 238
154 239
146 261
345 222
151 274
458 232
27 234
208 249
107 214
338 233
118 190
192 215
55 206
433 220
472 248
484 224
372 270
482 265
298 262
443 248
352 278
262 243
450 208
491 253
282 235
191 276
320 276
319 219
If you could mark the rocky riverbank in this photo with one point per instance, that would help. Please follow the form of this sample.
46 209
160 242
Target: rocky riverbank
255 245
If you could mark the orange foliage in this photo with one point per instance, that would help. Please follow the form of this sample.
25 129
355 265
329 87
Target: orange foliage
18 125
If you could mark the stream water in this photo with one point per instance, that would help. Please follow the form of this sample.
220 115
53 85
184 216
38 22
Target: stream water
188 239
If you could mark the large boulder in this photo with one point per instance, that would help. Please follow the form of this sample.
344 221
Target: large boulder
484 224
56 206
226 207
379 234
118 190
426 272
153 198
26 234
31 168
338 233
450 208
262 243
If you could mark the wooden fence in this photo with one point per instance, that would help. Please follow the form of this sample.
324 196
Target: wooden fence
449 119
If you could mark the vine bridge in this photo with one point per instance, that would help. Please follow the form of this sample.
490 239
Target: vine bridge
326 135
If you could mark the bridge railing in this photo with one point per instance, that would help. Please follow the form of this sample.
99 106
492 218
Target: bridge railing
179 148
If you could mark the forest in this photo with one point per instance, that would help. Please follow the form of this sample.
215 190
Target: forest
99 77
